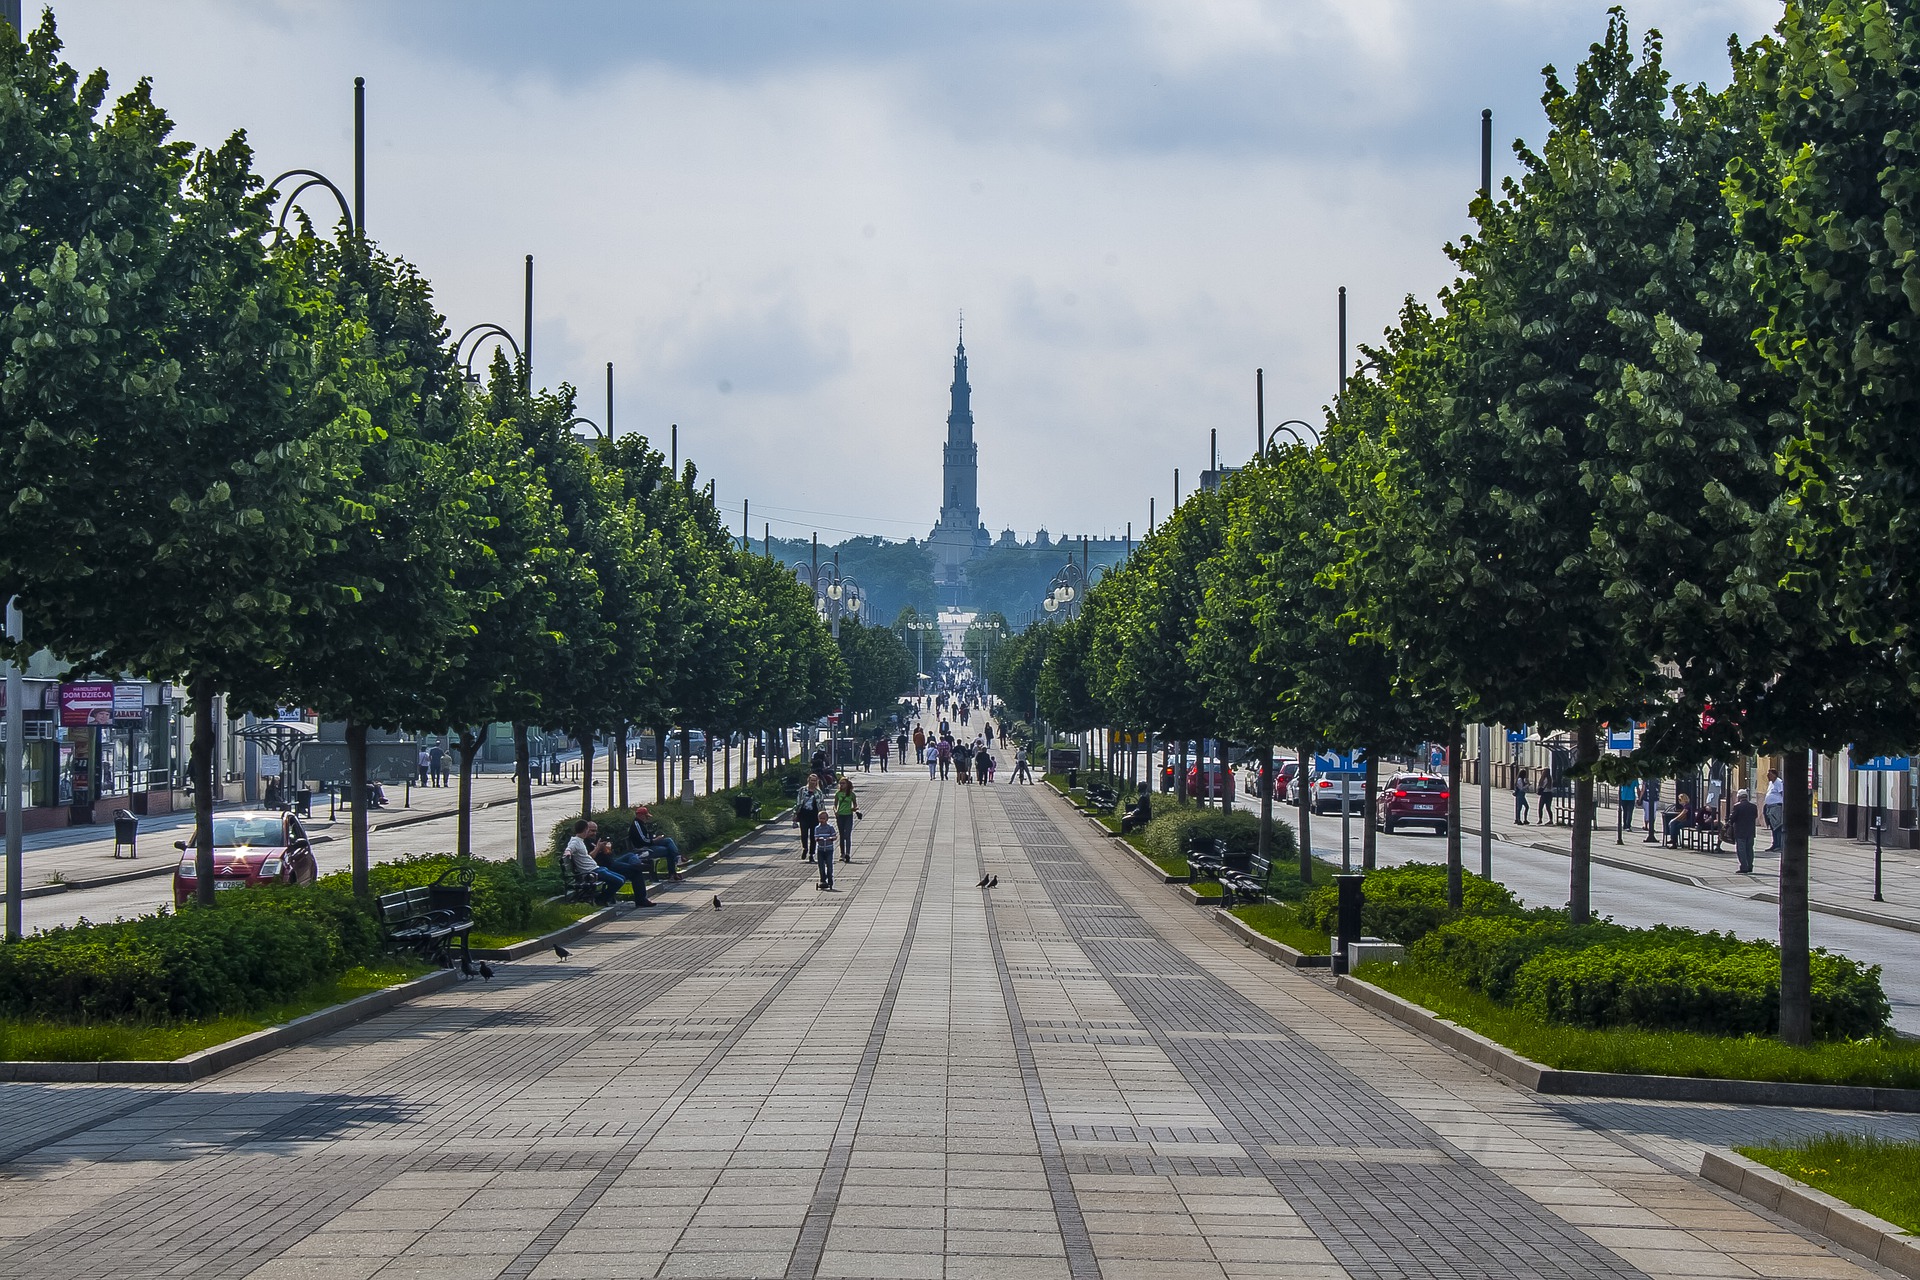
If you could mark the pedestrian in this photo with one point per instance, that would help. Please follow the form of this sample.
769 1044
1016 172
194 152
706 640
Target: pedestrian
993 765
1625 801
823 852
866 756
1520 795
931 753
945 751
806 813
1022 770
1543 811
919 741
885 745
846 807
425 763
1774 809
962 762
1740 823
980 762
903 745
434 752
989 733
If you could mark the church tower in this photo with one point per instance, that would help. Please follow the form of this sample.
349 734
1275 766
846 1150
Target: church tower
959 532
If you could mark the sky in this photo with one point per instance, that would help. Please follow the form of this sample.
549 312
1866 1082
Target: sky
769 215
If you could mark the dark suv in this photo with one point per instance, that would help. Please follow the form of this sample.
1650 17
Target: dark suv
1413 800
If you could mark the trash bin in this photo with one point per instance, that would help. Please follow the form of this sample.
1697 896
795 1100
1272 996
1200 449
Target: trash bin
743 806
303 803
126 828
1073 779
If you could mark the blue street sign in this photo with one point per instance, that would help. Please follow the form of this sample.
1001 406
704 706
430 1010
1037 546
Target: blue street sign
1620 739
1517 735
1885 764
1332 762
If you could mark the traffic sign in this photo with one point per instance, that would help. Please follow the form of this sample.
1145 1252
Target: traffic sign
1621 739
1517 735
1333 762
1885 764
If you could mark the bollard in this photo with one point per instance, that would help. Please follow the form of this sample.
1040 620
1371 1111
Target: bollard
1351 902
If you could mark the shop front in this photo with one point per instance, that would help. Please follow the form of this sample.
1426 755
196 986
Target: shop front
94 746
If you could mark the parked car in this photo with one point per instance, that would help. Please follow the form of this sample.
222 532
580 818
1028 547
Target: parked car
250 849
1413 800
1253 775
1208 779
1331 792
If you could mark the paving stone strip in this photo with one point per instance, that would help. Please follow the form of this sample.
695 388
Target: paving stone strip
1398 1218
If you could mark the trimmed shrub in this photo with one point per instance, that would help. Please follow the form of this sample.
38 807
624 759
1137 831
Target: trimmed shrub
503 896
1166 836
1717 990
1405 904
243 953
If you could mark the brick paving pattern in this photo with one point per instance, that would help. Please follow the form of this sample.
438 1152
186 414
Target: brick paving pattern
1071 1075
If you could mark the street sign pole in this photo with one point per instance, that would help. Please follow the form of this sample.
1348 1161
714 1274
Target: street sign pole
1486 802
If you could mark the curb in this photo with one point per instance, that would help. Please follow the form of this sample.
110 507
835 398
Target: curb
528 946
1147 864
1274 950
219 1057
1501 1061
1824 1215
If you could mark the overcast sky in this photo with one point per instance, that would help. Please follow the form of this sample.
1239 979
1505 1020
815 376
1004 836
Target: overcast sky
768 215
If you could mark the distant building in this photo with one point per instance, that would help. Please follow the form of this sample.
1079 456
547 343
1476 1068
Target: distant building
959 535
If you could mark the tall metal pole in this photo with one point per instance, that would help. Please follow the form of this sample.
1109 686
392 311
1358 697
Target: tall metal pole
526 332
674 458
1486 154
609 399
1259 411
1150 514
16 771
1486 802
746 524
360 156
1176 488
1213 453
1342 382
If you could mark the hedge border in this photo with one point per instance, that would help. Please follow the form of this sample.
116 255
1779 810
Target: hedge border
1497 1059
1824 1215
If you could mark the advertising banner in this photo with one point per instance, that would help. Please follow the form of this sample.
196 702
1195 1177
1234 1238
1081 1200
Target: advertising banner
86 703
128 702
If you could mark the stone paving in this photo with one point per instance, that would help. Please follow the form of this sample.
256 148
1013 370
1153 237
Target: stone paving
1073 1074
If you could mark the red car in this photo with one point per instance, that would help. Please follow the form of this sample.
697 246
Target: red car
1208 780
1413 800
1252 775
249 850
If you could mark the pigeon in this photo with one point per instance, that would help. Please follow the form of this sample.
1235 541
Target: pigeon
716 902
994 883
486 971
561 951
983 882
466 967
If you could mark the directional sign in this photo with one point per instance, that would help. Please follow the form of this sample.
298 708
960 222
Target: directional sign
1620 739
1517 735
1885 764
1333 762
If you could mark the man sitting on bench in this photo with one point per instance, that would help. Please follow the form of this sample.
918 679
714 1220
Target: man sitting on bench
581 861
1138 814
643 839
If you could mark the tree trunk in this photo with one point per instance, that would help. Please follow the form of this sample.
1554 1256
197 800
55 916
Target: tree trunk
586 772
523 799
1586 750
1303 816
357 802
468 745
1266 805
1455 888
200 768
1369 844
1796 966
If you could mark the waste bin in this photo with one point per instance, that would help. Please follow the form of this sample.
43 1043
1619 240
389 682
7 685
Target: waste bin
1073 779
303 803
126 828
743 806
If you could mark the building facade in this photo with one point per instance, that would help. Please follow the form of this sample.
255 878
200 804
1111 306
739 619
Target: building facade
959 535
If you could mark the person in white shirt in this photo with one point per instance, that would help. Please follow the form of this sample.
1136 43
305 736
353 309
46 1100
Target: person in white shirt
1774 809
579 856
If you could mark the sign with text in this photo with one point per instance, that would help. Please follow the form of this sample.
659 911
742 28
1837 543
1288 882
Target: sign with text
88 702
129 702
1517 735
1620 737
1885 764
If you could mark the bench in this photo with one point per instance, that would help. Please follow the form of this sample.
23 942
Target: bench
575 887
1101 798
1210 859
1251 885
1702 834
427 918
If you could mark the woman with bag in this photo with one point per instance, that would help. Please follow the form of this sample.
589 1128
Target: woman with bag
845 809
806 813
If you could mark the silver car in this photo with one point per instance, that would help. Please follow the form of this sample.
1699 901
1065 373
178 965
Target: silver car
1329 793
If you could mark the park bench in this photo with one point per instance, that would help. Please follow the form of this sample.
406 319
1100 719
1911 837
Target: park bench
1251 885
575 887
427 918
1702 834
1101 798
1210 859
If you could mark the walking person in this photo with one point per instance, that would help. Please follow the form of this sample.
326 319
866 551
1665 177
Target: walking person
425 763
980 762
437 764
885 744
932 755
806 813
944 749
1520 795
866 757
1543 811
902 744
823 853
1740 824
846 807
1774 809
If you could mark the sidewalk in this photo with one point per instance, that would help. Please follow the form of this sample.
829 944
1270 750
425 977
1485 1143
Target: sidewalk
1840 871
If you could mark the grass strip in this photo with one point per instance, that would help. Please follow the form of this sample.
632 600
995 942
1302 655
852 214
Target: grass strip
1279 921
1886 1063
43 1041
547 917
1877 1174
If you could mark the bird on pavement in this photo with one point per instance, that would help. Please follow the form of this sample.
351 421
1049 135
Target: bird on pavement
466 967
486 971
994 883
716 902
561 951
983 882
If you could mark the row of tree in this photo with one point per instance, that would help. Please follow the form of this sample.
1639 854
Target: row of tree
1651 456
247 460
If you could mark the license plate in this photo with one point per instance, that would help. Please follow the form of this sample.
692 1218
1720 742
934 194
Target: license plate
229 884
1424 808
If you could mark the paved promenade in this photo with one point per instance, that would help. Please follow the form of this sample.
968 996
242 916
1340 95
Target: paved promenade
1072 1075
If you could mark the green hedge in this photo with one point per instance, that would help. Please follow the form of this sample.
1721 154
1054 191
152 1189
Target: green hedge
690 825
1665 979
1166 836
246 951
1404 904
503 895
